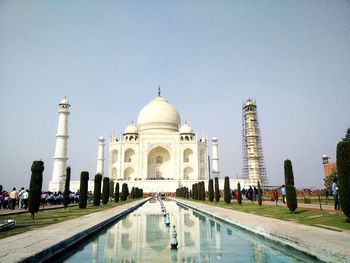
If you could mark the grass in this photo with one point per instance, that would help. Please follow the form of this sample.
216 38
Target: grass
325 219
43 218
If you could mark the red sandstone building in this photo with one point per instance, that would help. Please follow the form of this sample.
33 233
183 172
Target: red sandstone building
328 168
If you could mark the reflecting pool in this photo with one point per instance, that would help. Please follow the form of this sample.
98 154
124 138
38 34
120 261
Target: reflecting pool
142 236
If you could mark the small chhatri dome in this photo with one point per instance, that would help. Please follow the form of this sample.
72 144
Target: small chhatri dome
249 102
186 129
132 128
64 102
101 138
159 114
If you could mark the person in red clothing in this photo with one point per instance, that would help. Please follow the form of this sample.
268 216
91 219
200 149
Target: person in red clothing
275 195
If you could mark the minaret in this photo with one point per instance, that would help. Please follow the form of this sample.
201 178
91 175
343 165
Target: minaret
60 158
100 156
215 158
253 158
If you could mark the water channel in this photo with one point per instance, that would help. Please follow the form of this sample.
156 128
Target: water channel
142 236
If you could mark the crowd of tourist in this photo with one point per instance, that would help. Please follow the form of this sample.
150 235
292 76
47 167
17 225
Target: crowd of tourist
19 199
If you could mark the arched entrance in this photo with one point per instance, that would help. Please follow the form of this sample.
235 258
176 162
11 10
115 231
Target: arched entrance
158 163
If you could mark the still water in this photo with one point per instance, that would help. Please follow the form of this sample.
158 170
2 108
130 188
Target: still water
142 236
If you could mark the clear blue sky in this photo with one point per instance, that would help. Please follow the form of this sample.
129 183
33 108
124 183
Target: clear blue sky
108 57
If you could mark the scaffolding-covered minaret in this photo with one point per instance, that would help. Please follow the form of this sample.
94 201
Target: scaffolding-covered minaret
252 151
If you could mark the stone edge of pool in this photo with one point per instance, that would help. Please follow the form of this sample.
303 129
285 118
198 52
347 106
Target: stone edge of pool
44 243
323 244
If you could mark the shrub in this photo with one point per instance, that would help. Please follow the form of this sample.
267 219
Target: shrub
105 190
211 190
36 182
66 199
97 189
116 193
217 190
307 200
227 190
292 202
239 198
343 168
259 194
84 178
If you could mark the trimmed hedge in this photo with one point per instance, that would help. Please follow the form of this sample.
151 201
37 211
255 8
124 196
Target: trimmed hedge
84 178
36 182
343 169
125 192
105 191
97 189
66 199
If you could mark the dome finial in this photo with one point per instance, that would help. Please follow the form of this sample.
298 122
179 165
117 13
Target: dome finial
158 90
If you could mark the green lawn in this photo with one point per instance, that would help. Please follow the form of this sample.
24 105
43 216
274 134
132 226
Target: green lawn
326 219
47 217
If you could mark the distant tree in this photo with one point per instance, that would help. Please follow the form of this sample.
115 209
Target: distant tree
329 180
292 202
84 178
116 193
36 182
217 190
343 168
227 197
239 198
111 188
259 194
66 198
105 190
97 189
347 136
125 192
211 190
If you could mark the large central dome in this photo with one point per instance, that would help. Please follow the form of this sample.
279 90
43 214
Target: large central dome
159 114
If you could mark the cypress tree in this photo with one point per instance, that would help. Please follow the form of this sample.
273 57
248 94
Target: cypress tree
105 190
292 202
116 193
97 189
195 191
203 191
125 192
227 190
217 190
1 188
259 194
187 193
111 188
343 169
211 190
239 198
66 199
199 191
84 178
132 193
36 182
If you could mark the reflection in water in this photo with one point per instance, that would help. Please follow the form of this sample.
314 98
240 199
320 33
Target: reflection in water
142 236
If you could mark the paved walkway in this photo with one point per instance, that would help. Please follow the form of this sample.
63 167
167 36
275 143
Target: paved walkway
326 245
42 243
302 205
23 211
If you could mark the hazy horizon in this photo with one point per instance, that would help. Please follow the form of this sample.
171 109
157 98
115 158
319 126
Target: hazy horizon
108 58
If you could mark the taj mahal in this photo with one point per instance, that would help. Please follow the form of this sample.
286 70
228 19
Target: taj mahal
159 153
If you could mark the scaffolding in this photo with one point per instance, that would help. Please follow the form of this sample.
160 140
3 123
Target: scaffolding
253 167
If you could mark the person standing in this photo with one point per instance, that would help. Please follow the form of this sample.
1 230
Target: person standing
335 194
283 193
13 198
20 200
25 197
